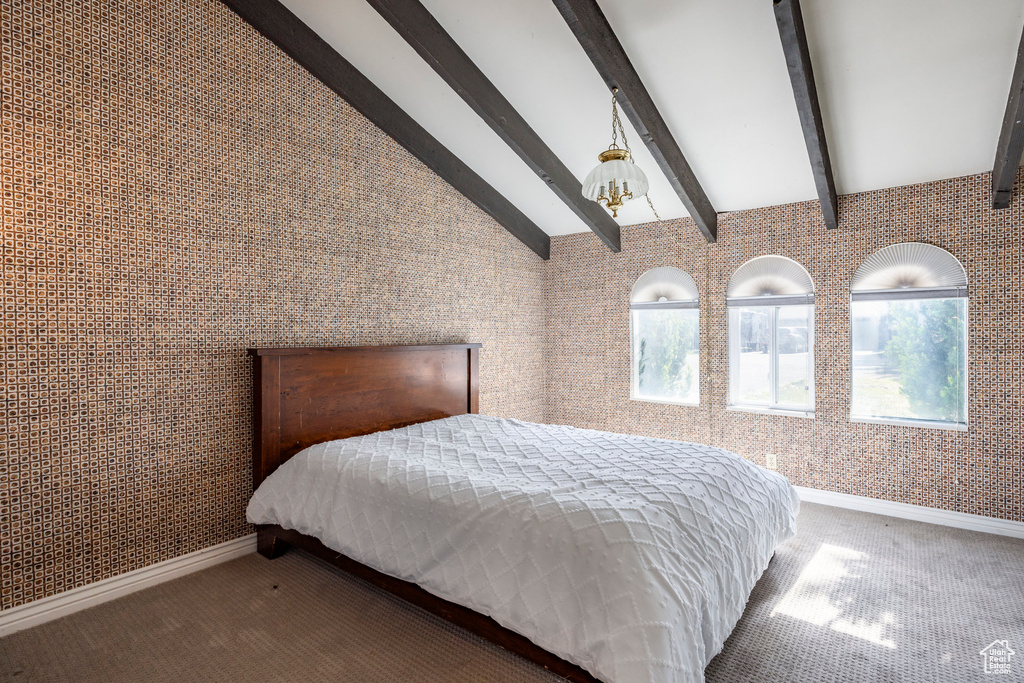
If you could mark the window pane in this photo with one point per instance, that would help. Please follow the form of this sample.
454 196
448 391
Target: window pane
751 340
793 341
909 359
666 361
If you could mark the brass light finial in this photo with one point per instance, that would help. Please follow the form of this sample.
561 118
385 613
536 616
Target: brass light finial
616 178
611 196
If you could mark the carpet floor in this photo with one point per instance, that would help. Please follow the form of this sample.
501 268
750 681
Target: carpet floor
854 597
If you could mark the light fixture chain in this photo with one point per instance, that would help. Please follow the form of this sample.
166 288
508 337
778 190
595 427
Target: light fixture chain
615 116
651 204
617 128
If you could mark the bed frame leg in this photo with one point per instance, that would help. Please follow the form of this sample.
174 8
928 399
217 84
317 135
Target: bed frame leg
268 545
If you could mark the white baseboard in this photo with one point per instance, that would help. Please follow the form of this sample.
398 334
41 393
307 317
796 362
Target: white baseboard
919 513
56 606
62 604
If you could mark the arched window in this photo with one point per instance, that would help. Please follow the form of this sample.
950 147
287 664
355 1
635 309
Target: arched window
771 337
909 337
665 330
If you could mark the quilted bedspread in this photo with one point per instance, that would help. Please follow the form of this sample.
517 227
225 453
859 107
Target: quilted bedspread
629 556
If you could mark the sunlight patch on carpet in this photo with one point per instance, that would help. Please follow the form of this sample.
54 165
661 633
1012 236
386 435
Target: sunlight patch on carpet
826 590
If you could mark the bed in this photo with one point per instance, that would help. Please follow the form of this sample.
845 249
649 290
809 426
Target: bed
599 556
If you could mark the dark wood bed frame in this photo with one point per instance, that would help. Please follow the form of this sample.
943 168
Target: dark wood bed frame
305 396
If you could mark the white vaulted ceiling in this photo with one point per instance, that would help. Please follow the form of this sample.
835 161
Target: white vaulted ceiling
911 91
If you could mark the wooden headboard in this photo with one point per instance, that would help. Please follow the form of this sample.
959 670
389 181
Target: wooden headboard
311 395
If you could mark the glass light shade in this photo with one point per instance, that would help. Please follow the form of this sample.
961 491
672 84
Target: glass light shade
618 170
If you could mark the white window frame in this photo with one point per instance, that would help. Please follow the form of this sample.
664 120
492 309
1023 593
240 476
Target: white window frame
934 273
916 295
634 385
772 304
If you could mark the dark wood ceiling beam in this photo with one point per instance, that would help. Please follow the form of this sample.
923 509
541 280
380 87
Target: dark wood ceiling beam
591 28
426 35
301 43
1011 138
798 59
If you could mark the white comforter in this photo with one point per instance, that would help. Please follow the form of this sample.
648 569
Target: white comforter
629 556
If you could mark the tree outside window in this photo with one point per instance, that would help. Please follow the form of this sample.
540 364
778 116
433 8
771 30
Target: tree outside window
667 355
910 360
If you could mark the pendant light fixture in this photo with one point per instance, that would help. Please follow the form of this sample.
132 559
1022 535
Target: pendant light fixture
616 179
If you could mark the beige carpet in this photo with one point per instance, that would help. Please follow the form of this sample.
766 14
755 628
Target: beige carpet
855 597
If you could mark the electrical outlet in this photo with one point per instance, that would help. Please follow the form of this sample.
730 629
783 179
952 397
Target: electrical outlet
770 462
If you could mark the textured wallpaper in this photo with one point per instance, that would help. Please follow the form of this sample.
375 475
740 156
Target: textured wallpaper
980 471
176 189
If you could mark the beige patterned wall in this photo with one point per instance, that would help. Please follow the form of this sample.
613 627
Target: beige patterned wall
980 471
175 190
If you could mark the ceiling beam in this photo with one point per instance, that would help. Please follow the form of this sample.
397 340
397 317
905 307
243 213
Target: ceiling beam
301 43
595 35
1011 138
426 35
798 59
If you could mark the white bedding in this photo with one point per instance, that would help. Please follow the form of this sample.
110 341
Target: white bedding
629 556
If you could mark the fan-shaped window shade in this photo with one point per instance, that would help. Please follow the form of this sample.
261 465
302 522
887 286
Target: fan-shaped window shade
665 287
912 270
770 281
